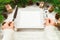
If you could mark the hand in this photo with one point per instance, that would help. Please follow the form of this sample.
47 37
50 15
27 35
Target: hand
7 26
49 21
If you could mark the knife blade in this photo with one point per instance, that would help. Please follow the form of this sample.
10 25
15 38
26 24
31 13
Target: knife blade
15 14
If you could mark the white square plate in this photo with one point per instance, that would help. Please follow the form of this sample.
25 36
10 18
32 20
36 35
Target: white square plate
29 19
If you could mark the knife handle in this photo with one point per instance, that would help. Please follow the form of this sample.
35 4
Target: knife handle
9 23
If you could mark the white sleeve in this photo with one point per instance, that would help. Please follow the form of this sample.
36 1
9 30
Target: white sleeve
8 34
51 33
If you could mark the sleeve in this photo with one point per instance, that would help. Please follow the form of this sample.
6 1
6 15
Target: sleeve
8 34
51 33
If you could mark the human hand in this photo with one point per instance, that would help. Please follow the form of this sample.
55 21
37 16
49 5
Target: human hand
8 25
49 21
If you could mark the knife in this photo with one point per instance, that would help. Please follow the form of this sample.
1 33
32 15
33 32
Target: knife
15 14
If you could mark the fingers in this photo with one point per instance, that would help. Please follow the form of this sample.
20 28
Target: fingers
6 23
7 26
52 22
12 25
47 21
3 27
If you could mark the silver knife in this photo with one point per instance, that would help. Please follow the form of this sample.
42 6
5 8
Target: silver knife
15 14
